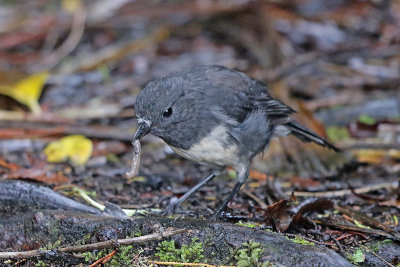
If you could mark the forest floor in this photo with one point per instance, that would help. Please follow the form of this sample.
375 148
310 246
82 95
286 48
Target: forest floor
74 69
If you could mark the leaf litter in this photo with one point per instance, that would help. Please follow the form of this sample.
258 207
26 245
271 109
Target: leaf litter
339 70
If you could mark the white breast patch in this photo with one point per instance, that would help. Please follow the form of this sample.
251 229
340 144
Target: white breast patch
212 149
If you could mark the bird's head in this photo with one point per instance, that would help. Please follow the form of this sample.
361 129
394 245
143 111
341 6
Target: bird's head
161 107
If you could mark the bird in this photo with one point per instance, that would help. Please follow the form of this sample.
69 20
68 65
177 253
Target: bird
216 116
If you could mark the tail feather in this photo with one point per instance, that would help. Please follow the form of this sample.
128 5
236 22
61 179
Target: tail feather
307 135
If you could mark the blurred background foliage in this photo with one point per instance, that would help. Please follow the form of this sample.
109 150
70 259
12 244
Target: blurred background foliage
75 67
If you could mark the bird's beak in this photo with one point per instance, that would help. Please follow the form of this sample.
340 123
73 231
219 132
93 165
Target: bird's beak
142 129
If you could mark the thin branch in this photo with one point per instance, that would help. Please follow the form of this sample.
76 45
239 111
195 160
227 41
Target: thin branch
259 201
310 240
346 227
340 193
187 264
94 246
103 259
76 33
376 255
369 221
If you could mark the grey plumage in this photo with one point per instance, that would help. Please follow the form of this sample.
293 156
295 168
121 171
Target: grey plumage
216 116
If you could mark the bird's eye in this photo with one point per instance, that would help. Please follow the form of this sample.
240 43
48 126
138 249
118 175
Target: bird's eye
167 112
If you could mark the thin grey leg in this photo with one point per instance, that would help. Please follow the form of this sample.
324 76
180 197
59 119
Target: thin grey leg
194 189
234 191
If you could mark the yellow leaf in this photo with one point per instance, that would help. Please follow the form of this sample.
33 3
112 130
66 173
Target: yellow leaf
372 156
27 91
75 148
394 153
376 156
71 5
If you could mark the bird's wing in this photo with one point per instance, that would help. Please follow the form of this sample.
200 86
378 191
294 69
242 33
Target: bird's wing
239 94
257 97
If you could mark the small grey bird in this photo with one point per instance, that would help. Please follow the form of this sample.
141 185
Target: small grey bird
216 116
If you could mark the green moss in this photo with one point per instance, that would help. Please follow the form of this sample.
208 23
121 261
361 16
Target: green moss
84 240
113 158
193 253
250 255
51 246
336 133
123 257
365 119
138 233
104 71
395 220
302 241
375 247
357 257
248 224
40 264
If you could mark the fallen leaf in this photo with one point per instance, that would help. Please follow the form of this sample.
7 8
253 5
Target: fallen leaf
27 91
365 119
10 166
75 148
362 130
372 156
37 172
279 214
318 205
104 148
336 133
391 203
260 176
71 6
376 156
257 175
304 183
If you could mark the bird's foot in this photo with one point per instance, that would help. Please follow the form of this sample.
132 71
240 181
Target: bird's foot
215 217
168 210
171 210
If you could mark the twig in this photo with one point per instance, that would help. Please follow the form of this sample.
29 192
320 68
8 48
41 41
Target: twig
26 128
291 65
340 193
188 264
354 228
103 259
82 193
337 243
364 196
116 51
369 221
256 199
376 255
19 262
310 240
93 246
76 33
7 115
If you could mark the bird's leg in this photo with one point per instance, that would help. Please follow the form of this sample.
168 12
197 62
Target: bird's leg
171 207
217 213
242 176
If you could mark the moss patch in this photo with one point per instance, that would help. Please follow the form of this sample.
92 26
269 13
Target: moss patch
248 224
250 255
375 247
123 257
193 253
302 241
357 257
